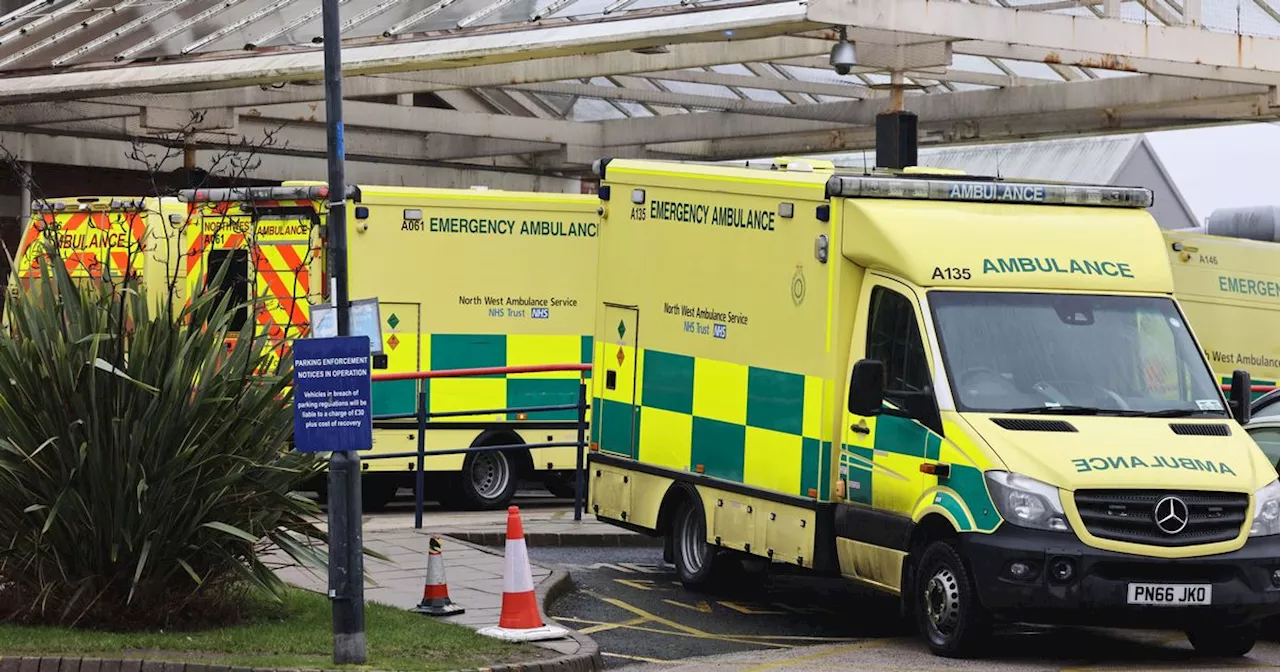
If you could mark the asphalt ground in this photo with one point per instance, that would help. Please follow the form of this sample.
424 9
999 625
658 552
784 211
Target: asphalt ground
634 607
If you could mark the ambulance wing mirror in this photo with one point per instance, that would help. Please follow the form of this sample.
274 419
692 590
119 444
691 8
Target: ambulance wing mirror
1241 399
866 388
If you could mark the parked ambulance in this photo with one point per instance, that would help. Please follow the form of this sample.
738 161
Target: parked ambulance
977 395
1227 278
460 278
119 236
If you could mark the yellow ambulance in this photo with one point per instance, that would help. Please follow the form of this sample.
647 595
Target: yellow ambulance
1230 290
976 395
96 235
462 279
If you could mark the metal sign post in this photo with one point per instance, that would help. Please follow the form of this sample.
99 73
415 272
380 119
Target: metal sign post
346 544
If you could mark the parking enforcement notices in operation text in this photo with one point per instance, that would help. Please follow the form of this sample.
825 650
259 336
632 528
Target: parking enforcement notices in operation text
331 394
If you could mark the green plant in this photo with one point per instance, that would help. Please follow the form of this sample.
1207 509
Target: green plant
143 465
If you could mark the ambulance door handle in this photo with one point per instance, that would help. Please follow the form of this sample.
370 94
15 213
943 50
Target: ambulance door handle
860 428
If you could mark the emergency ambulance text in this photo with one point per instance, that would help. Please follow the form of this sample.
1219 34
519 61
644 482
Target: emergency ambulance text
501 227
720 215
1269 289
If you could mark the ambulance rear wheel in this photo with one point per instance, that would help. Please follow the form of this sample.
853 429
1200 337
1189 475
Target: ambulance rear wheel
488 481
948 612
695 559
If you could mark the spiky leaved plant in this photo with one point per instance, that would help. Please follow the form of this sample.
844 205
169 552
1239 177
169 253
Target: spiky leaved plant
143 466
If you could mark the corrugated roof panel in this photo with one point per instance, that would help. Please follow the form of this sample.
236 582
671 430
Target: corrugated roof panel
1087 160
1091 160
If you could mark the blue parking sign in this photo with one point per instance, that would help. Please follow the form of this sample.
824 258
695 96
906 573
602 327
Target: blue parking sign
331 394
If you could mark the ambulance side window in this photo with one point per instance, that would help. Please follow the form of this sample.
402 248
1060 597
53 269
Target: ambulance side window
893 337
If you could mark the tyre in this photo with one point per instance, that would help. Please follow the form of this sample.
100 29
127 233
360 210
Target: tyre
696 561
947 610
1225 642
488 481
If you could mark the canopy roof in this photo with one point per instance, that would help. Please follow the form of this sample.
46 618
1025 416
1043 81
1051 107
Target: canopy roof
550 85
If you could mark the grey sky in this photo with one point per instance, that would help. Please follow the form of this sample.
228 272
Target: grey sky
1222 167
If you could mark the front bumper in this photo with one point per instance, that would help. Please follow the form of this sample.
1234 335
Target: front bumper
1098 589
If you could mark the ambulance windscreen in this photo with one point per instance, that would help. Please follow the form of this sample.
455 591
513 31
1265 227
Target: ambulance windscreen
1071 354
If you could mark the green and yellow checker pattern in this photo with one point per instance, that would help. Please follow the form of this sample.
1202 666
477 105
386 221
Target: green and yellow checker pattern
755 426
498 391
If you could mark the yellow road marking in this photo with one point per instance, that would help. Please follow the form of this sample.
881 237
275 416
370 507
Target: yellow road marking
817 656
611 626
643 659
684 629
638 584
701 607
750 610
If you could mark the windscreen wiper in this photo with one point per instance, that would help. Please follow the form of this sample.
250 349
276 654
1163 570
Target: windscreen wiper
1064 410
1177 413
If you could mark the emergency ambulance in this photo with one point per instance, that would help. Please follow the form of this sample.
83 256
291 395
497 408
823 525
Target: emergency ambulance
133 236
976 395
462 278
1230 290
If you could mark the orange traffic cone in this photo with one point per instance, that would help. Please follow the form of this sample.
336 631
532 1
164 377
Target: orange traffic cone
435 591
520 620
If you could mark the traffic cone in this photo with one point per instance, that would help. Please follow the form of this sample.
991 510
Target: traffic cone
520 620
435 591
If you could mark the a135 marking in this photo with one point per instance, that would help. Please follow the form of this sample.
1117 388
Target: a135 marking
951 273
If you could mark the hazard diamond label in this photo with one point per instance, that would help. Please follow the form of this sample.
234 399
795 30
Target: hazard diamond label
621 357
622 329
393 341
393 320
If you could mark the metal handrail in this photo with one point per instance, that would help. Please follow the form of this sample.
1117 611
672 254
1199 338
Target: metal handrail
421 414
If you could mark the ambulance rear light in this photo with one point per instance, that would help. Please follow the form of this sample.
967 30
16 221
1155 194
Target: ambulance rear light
984 191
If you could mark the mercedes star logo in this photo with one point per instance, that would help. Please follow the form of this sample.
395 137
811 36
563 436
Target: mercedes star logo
1171 515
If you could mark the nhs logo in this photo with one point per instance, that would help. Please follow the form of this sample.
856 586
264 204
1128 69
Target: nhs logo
541 313
719 331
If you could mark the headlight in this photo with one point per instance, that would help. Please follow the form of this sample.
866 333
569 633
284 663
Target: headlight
1026 502
1266 510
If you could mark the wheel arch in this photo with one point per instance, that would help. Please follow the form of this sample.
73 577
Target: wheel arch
934 526
676 494
520 458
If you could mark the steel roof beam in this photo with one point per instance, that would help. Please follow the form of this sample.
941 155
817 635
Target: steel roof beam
678 57
431 120
114 154
1110 44
48 113
1004 129
961 107
765 82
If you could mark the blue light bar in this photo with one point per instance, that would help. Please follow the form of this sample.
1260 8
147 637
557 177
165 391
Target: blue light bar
971 191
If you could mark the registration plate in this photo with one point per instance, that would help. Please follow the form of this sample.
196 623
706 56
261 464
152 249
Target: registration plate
1170 594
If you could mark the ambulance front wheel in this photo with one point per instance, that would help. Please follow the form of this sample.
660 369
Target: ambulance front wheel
947 610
